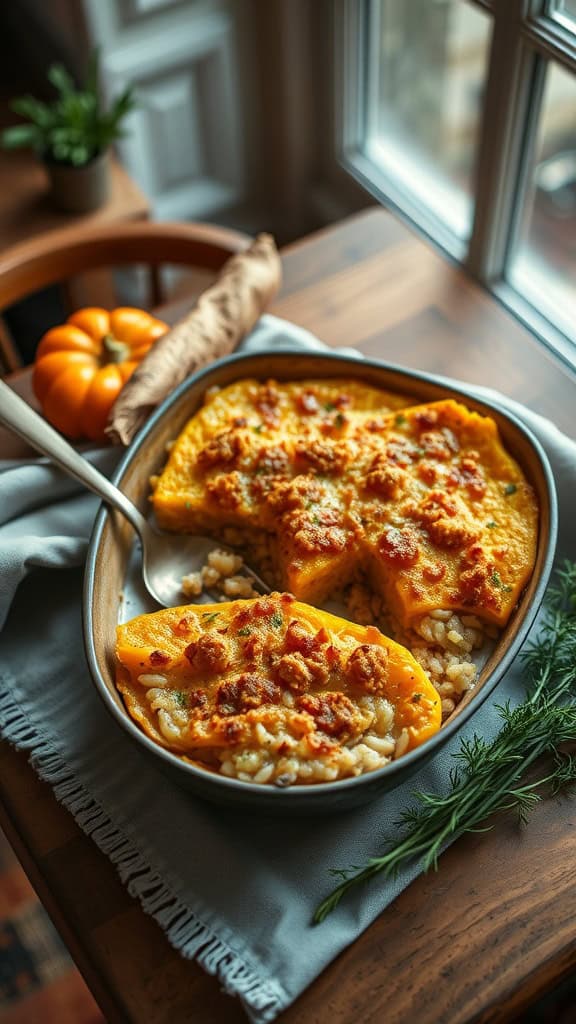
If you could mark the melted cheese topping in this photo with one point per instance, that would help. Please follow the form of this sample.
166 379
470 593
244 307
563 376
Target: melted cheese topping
423 497
202 679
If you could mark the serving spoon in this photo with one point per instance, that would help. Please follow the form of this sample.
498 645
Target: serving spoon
166 557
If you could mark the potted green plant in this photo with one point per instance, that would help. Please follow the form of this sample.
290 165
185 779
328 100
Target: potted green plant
72 136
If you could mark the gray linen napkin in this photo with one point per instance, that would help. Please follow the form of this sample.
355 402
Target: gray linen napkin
235 891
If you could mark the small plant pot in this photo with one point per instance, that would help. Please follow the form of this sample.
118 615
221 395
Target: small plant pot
79 189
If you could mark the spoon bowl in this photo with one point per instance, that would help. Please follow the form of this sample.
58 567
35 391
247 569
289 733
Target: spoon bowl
166 558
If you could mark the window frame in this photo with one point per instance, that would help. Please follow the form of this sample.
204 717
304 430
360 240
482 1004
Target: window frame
526 36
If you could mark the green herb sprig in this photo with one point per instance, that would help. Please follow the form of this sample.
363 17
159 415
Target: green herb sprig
491 778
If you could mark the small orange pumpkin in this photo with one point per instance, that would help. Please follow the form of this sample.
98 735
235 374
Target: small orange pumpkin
81 366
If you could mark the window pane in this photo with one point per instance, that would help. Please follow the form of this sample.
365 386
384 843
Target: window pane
544 265
566 8
428 74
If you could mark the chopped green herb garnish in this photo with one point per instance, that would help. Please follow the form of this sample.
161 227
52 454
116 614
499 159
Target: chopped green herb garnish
210 616
258 428
400 419
187 504
339 420
495 577
329 406
491 525
245 631
181 698
277 620
510 489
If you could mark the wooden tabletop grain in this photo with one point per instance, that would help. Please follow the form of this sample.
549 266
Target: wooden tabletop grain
493 929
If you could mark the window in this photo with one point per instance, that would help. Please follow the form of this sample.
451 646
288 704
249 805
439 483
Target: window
461 115
543 261
564 9
429 69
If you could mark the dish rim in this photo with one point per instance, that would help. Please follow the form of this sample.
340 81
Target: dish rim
401 766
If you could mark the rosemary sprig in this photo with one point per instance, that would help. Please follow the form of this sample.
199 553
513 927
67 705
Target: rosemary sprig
490 778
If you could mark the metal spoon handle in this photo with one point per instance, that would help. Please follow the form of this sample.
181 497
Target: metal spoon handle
18 416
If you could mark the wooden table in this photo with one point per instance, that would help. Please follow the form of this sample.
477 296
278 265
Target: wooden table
493 929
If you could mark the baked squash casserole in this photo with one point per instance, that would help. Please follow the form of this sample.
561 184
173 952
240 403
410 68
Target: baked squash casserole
341 476
272 690
414 514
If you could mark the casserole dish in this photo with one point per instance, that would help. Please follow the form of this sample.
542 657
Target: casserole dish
112 590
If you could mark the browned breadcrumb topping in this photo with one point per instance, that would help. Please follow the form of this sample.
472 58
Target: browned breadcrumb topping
158 658
366 667
208 655
226 490
334 714
385 480
223 450
248 690
399 546
289 657
410 492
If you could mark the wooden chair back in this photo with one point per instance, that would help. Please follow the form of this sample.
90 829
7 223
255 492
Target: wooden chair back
58 257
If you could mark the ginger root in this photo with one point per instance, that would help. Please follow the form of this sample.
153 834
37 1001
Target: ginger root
223 314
